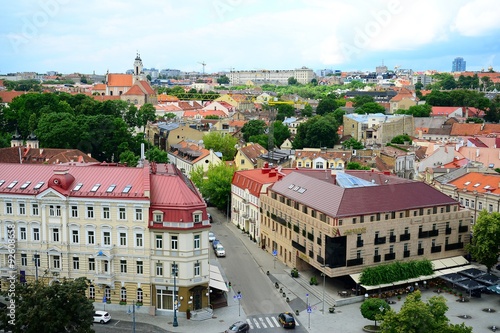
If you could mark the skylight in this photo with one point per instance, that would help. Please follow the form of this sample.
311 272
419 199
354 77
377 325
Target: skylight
301 190
37 186
111 188
487 187
127 189
296 188
1 182
291 186
25 185
466 183
78 187
11 185
476 185
95 188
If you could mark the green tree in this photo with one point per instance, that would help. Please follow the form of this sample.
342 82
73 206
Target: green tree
339 116
307 111
327 105
157 155
129 158
253 127
292 81
416 316
419 86
352 143
212 116
281 132
356 166
486 238
215 184
285 111
64 303
317 132
360 100
400 139
169 115
58 130
423 110
370 107
146 113
374 309
131 116
224 79
261 139
226 144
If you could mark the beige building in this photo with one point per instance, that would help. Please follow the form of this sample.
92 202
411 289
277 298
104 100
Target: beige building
303 75
377 128
187 156
359 219
323 159
247 157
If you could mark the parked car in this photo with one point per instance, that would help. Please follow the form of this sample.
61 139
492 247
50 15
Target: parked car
238 327
219 251
286 320
211 236
101 317
210 218
215 242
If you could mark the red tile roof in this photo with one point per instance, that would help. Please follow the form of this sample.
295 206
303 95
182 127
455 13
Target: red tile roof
252 151
460 129
43 155
479 182
120 80
8 96
443 110
134 91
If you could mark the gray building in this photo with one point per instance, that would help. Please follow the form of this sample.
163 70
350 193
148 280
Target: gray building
458 65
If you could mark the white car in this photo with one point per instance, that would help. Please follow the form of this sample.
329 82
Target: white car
219 251
101 317
211 236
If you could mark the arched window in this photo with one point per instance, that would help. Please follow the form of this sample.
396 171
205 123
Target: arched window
123 294
107 293
140 295
91 291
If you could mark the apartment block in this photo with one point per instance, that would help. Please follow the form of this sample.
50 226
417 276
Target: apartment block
343 223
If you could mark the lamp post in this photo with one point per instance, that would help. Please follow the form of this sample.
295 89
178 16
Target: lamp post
239 296
309 310
174 271
275 247
36 260
324 285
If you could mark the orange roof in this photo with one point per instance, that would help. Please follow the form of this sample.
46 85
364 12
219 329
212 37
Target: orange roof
460 129
162 98
8 96
99 86
237 123
120 80
103 98
146 87
475 181
255 179
135 90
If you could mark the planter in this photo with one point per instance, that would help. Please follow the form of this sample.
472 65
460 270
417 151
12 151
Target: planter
296 312
331 309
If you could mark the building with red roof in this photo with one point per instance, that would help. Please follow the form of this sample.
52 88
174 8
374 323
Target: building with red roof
121 228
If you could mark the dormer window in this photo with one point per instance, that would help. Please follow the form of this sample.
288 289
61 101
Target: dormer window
158 217
197 217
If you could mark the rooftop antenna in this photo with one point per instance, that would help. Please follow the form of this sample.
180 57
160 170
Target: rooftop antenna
203 64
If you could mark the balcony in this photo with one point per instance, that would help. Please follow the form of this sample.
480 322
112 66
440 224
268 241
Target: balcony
420 252
105 278
406 254
436 249
448 231
456 246
379 240
389 256
359 243
377 258
433 233
298 247
392 239
463 228
404 237
6 272
355 262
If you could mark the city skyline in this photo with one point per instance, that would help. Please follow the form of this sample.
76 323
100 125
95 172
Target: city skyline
96 37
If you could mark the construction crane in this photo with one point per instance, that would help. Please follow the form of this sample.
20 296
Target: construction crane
203 64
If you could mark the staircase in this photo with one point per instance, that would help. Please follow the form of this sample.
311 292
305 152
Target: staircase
202 314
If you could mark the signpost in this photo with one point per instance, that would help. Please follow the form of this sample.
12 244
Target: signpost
309 310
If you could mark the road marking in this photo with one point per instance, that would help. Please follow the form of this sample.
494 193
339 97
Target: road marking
269 322
275 321
249 321
262 322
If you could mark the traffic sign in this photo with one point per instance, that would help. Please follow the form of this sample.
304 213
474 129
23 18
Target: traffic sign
104 300
238 296
275 253
309 310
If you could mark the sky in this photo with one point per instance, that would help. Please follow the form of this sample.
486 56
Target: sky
96 36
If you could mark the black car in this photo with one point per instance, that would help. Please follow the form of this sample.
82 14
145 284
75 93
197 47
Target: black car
286 320
238 327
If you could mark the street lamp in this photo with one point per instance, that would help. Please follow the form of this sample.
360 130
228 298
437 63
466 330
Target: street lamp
275 247
36 260
176 304
239 296
309 310
208 295
324 284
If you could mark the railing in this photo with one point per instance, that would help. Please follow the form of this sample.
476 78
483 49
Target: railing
436 249
455 246
463 228
392 238
377 258
448 231
389 256
359 243
404 237
379 240
355 262
420 252
406 254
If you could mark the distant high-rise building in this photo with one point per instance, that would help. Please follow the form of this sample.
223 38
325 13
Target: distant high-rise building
458 65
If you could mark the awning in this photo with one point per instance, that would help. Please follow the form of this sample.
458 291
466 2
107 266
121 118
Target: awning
449 262
355 277
216 279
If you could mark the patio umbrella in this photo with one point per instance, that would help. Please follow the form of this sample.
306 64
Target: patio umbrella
472 272
470 285
488 279
453 277
495 288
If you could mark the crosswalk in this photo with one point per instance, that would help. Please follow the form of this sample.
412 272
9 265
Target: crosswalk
265 322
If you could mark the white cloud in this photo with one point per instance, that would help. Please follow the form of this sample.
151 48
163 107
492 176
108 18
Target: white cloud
477 18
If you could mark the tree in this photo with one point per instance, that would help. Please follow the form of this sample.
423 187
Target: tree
226 144
317 132
64 303
157 155
215 185
169 115
400 139
292 81
356 166
224 79
129 158
360 100
307 111
253 127
423 110
261 139
285 111
327 105
58 130
374 309
146 113
417 316
419 86
485 239
352 143
339 116
281 132
370 107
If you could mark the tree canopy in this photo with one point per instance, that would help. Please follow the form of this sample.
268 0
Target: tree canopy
327 105
226 144
370 107
317 132
360 100
59 307
401 139
485 239
352 143
215 185
253 127
423 110
374 309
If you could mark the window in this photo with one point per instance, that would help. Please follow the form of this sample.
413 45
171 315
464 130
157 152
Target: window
107 292
196 218
319 165
490 208
54 210
139 267
74 211
106 238
24 259
159 241
90 237
36 234
138 240
56 262
138 214
76 263
123 293
105 266
174 270
92 264
75 236
196 242
91 291
123 239
158 217
34 209
480 205
55 235
22 233
22 208
90 212
105 213
406 246
376 251
37 260
123 266
140 295
420 245
122 215
391 249
159 269
197 268
8 208
174 242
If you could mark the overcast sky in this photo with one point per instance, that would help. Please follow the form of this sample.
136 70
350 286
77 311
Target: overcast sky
88 36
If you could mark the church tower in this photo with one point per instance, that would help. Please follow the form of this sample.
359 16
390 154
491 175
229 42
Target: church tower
138 65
